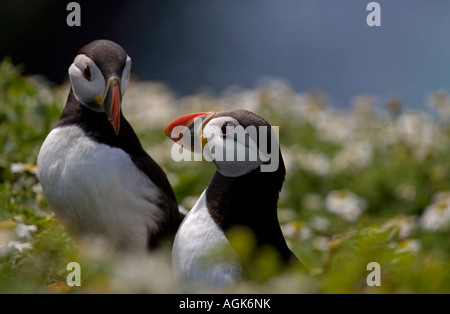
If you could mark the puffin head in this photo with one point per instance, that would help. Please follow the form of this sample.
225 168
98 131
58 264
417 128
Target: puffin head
237 141
99 76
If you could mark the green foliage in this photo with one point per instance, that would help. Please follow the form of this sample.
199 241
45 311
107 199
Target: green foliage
360 187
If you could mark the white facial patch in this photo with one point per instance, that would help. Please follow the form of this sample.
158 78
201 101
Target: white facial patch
89 84
87 90
235 150
125 75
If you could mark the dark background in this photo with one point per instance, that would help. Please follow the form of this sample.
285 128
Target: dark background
192 44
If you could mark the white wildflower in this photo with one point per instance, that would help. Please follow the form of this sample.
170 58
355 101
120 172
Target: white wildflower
14 245
320 223
321 244
311 161
20 246
304 233
403 226
314 162
354 156
413 128
345 204
411 246
337 128
441 196
37 189
436 216
418 131
24 231
296 229
19 167
11 233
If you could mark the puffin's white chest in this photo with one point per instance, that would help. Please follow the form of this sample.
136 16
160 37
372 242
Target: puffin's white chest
96 189
201 253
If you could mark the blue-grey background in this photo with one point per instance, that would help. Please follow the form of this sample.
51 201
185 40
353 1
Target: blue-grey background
192 44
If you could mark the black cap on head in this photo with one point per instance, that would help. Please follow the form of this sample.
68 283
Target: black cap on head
109 57
247 118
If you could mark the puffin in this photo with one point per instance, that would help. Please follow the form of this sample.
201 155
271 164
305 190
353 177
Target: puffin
243 193
94 172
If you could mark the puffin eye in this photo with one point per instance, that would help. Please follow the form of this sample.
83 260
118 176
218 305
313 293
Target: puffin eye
223 129
87 73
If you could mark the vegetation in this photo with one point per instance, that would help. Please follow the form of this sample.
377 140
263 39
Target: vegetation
367 184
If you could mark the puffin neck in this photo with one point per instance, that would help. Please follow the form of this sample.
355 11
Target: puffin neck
95 124
249 201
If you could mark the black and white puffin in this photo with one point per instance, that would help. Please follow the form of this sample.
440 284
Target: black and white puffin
95 174
243 192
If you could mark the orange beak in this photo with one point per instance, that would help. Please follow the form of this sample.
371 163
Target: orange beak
111 101
194 124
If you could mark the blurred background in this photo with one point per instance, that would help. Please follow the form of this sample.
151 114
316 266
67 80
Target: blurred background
363 114
201 44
